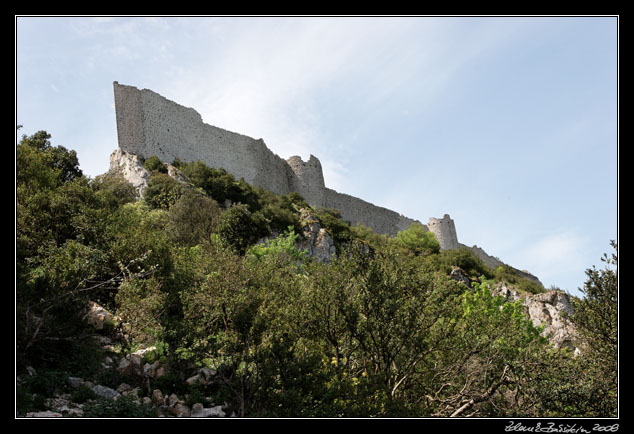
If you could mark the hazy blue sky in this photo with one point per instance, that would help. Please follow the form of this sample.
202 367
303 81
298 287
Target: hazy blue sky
508 124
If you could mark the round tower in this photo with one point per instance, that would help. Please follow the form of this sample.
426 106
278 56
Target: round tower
445 232
307 179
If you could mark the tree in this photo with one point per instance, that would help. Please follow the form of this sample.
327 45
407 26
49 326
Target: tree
418 240
193 218
596 319
236 227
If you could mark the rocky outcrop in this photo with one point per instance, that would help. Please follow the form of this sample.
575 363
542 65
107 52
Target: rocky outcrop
459 275
548 309
317 241
130 167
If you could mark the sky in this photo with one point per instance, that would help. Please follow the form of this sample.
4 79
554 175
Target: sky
507 124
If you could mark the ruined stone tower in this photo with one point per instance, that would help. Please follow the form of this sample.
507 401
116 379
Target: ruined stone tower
445 231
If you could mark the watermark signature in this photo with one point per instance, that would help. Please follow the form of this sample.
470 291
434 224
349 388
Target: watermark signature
553 427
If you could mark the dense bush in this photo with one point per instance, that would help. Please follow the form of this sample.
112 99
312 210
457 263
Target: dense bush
162 191
417 240
153 163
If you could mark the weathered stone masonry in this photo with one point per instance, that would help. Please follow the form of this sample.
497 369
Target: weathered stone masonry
150 124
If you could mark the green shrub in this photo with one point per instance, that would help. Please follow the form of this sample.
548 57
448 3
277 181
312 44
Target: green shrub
236 227
82 394
153 163
193 218
162 191
418 240
124 406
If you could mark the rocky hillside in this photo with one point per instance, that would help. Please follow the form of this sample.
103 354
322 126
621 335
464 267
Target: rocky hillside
209 297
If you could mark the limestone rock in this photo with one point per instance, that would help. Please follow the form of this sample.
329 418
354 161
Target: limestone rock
502 289
97 316
157 397
548 309
75 382
194 379
105 392
199 411
125 367
131 168
317 241
458 274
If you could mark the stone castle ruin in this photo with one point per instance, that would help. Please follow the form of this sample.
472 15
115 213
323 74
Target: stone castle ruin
149 124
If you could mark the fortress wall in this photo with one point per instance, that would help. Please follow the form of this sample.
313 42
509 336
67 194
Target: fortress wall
150 124
355 210
129 116
158 126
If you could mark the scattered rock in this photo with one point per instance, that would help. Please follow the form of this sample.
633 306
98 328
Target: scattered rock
199 411
123 388
75 382
97 316
194 379
47 413
125 367
157 398
173 400
105 392
208 373
459 275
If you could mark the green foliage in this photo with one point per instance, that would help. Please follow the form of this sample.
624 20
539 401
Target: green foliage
596 318
382 334
417 240
82 394
219 184
237 228
123 407
162 191
282 245
339 230
153 163
463 258
522 284
193 218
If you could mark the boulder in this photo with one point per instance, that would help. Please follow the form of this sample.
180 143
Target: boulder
194 379
317 241
181 410
208 373
130 167
157 397
97 316
173 400
125 367
459 275
75 382
105 392
549 309
199 411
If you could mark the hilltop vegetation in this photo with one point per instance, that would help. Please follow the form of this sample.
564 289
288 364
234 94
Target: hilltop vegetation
381 330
